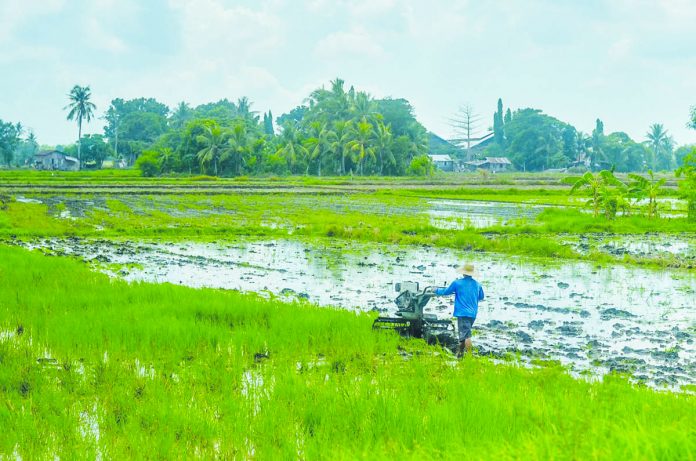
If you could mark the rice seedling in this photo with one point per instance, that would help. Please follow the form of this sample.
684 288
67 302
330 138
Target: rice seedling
95 367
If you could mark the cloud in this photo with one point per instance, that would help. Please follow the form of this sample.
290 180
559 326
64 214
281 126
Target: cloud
363 9
356 43
14 14
230 32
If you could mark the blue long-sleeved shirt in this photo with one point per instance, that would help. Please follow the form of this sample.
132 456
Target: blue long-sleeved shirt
467 294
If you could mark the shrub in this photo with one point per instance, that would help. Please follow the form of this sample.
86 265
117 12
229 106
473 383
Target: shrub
421 165
148 163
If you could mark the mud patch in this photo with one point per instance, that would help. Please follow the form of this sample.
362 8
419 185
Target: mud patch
581 315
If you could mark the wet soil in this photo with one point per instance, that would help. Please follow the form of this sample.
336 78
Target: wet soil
590 318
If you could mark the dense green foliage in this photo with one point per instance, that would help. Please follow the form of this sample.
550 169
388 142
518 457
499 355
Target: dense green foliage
688 185
94 150
336 132
106 369
535 141
339 132
9 140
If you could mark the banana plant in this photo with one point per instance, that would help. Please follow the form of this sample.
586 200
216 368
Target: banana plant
688 185
642 188
599 185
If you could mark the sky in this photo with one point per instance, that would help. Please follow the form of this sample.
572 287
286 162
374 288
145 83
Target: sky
631 63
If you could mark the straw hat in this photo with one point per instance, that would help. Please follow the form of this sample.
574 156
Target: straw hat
467 269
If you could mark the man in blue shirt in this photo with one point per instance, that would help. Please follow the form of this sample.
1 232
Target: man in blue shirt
467 294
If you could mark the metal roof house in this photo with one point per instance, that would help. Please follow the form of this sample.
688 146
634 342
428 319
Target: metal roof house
442 162
55 160
493 164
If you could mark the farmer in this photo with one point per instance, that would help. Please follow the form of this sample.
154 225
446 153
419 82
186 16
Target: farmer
467 294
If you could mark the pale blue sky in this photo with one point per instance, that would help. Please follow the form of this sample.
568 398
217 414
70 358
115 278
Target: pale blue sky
629 62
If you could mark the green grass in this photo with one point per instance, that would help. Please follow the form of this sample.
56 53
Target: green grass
172 372
387 217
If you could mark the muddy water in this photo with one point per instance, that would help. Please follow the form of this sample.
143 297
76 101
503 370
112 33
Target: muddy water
680 247
459 214
590 318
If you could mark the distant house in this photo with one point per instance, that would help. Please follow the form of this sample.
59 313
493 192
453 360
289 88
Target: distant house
441 146
473 147
492 164
442 162
55 160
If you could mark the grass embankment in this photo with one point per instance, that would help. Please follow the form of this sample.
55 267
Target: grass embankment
160 371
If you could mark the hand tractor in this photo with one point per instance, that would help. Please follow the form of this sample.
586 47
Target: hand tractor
410 321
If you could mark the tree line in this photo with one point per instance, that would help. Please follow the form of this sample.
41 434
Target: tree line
534 141
337 131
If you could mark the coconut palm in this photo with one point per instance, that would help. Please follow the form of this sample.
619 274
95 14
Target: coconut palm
661 145
214 138
342 130
364 108
384 141
244 110
181 115
361 136
333 104
240 146
81 108
320 143
291 146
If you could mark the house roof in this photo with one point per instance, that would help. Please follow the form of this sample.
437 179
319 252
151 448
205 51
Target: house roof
440 158
498 160
71 159
490 161
473 140
44 153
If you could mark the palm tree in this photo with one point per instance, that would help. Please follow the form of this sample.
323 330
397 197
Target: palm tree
342 129
244 110
113 117
291 146
333 104
319 143
383 144
181 115
167 160
239 146
364 108
661 144
81 108
361 138
214 138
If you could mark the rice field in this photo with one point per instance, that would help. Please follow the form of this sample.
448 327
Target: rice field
96 368
118 351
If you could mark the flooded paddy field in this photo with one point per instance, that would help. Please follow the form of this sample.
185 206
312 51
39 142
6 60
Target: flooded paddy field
646 246
589 317
439 213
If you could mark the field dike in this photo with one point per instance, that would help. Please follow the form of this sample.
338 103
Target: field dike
590 318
